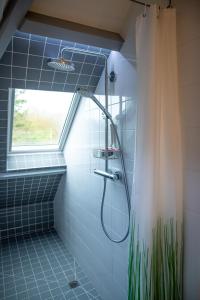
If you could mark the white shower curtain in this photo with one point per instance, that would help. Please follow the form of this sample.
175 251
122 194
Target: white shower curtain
155 266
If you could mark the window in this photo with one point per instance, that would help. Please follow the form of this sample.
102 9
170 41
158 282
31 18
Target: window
39 119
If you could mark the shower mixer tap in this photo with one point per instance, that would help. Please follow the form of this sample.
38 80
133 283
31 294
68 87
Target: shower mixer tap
115 176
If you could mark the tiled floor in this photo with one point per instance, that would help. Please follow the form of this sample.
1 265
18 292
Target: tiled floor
38 267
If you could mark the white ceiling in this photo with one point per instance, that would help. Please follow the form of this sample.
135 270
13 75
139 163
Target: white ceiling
109 15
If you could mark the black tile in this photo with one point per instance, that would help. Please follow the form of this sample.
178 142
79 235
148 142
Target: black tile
87 69
20 45
33 74
18 72
35 62
36 48
19 60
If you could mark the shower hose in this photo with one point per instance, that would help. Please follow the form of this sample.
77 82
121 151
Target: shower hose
124 178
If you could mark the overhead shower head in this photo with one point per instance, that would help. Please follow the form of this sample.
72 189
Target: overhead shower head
61 64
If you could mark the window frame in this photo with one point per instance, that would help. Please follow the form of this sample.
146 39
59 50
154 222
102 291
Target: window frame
41 149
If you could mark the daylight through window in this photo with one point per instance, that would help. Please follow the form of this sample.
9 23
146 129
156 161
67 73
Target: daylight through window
38 119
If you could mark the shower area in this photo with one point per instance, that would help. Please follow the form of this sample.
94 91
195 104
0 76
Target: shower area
65 213
96 150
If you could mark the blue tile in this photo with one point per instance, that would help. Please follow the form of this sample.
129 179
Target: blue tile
72 78
18 84
78 57
6 58
91 59
18 73
51 50
60 77
20 45
36 48
5 83
45 86
98 70
87 69
53 41
33 85
83 80
35 62
33 74
47 75
5 71
37 38
19 59
21 34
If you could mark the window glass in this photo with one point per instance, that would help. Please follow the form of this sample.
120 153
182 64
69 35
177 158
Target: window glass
38 118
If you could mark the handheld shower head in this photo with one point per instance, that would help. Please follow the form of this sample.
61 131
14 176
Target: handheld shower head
84 92
88 94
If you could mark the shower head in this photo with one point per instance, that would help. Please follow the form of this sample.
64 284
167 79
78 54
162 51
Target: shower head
61 64
89 94
84 92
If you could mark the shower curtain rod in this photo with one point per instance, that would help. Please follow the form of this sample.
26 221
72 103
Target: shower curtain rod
148 5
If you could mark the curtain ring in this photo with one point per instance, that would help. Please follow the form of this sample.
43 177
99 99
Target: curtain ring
145 9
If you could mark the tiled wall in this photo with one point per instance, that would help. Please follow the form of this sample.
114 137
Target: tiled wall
26 204
188 34
24 65
78 200
35 161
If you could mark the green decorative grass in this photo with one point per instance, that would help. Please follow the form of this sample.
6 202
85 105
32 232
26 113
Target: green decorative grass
155 272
